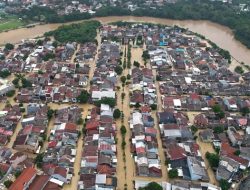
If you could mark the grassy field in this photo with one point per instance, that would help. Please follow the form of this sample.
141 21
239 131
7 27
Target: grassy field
10 22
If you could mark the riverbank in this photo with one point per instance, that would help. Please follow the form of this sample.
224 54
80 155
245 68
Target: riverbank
220 35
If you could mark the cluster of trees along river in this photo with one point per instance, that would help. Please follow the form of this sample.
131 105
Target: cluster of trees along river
218 12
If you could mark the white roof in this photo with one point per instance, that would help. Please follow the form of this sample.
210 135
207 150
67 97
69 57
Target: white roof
103 94
95 136
73 151
3 113
142 160
248 130
188 80
140 144
139 138
105 107
137 118
28 119
60 127
100 179
172 133
177 102
56 181
196 69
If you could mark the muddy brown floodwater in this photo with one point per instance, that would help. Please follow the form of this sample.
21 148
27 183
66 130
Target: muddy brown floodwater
219 34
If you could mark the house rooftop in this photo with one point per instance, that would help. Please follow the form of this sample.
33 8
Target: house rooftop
26 177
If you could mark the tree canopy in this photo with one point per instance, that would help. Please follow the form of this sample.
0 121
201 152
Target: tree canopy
81 32
152 186
117 113
224 184
83 97
213 159
9 46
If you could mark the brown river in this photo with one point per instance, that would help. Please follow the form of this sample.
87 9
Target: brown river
220 35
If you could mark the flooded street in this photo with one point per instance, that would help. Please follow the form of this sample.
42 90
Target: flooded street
207 147
80 144
125 169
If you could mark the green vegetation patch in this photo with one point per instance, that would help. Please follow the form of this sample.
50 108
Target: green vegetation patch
81 32
10 22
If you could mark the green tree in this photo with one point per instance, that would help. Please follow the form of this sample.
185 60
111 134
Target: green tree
239 70
117 114
128 76
40 72
39 160
49 56
8 183
55 44
26 83
218 129
80 32
118 70
153 107
39 42
158 78
17 173
123 79
123 130
194 129
5 73
245 111
123 95
216 108
9 46
221 114
10 93
237 152
213 159
137 105
22 110
136 64
109 101
173 173
83 97
145 55
15 81
152 186
50 113
224 184
80 121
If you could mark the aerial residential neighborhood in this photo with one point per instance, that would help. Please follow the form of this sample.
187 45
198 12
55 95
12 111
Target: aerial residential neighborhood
122 106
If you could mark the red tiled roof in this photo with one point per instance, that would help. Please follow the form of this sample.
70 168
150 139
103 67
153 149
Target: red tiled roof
150 130
26 176
176 152
194 96
60 171
140 150
145 109
92 124
104 169
239 159
39 182
70 127
52 144
4 167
